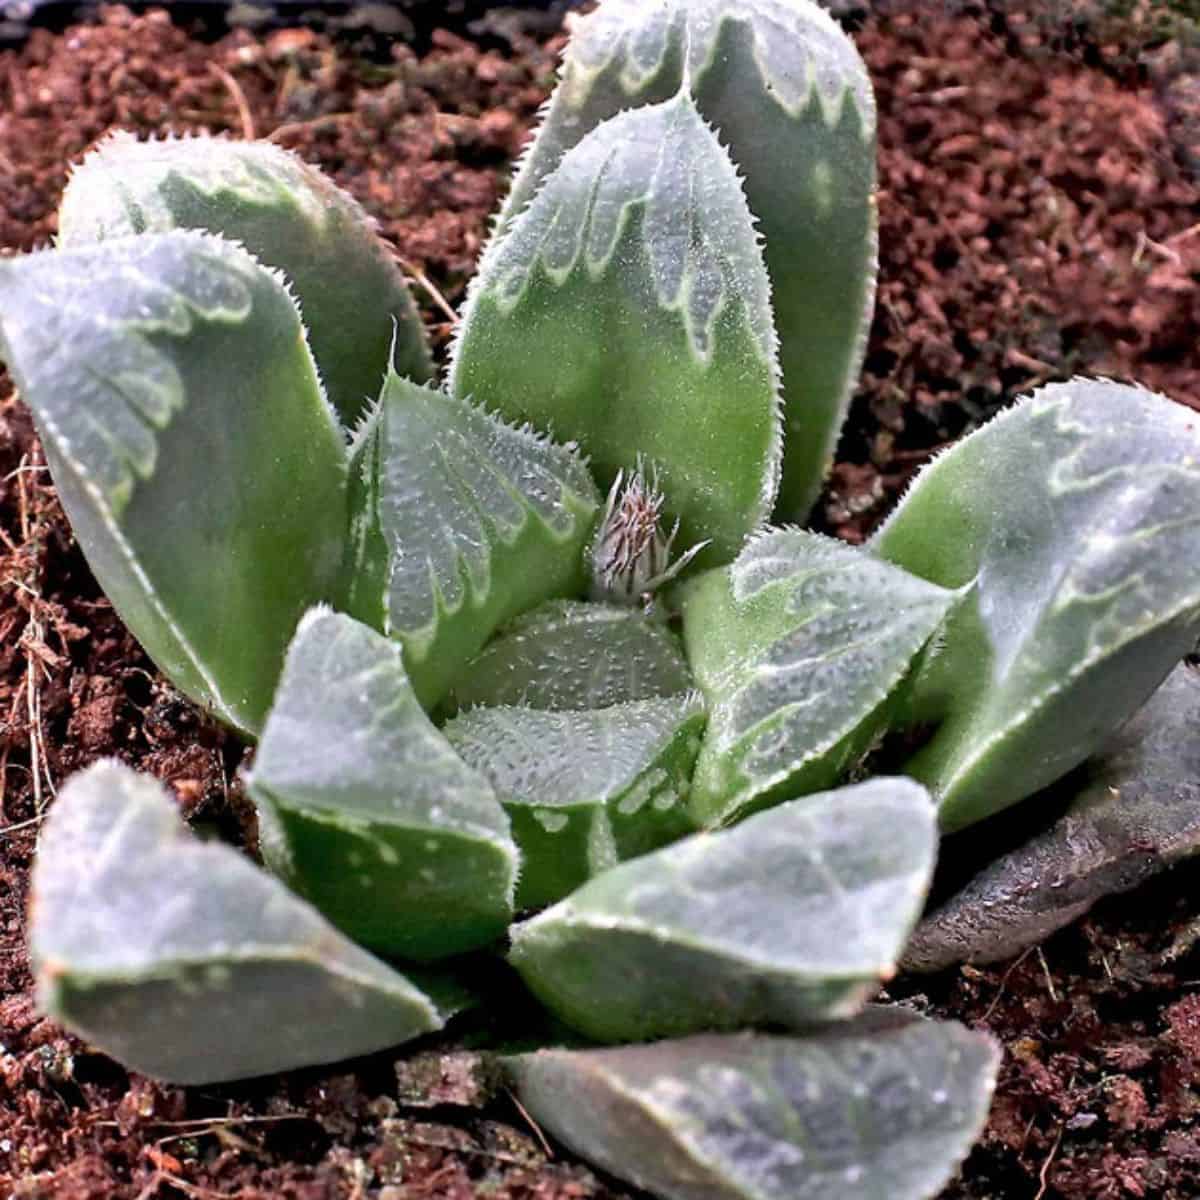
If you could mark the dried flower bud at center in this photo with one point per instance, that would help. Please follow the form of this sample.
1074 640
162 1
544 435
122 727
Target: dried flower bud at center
632 556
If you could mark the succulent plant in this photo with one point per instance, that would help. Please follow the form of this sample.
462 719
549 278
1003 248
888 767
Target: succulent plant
480 689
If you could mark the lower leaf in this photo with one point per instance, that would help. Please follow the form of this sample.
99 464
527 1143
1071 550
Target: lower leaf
366 810
183 960
789 918
202 470
1136 813
1072 524
882 1108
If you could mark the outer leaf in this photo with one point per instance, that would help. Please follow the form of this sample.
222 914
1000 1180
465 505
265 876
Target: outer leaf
184 961
789 96
790 918
289 215
203 472
460 522
1073 521
585 788
638 262
571 655
1137 813
884 1108
367 811
797 647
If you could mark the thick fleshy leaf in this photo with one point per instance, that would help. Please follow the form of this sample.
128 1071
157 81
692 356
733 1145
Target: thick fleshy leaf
183 960
202 470
639 264
572 655
1073 522
797 646
366 810
460 522
585 788
881 1108
288 215
788 94
789 918
1136 813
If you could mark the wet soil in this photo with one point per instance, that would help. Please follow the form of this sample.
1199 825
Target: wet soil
1040 216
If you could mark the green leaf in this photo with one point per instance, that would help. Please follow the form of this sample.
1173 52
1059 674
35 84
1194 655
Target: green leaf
571 655
1073 524
789 96
789 918
288 215
585 789
638 263
460 522
1136 812
201 469
183 960
366 810
797 647
883 1108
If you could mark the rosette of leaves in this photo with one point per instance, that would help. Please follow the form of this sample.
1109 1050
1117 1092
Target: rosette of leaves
496 713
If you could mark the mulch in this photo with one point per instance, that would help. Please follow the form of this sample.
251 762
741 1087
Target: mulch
1040 217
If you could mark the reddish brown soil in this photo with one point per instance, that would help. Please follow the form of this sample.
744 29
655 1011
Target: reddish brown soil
1038 219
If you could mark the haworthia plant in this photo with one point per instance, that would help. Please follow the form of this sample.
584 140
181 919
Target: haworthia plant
289 215
165 372
883 1108
1082 590
642 268
674 303
183 960
366 810
789 919
459 523
797 646
789 97
573 655
1137 811
585 788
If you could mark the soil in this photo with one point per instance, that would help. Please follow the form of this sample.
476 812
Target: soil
1040 216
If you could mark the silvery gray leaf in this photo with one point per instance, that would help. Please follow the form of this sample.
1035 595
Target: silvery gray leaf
1137 812
881 1108
183 960
789 918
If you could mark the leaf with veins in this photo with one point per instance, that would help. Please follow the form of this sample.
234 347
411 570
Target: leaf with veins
1066 520
789 918
884 1107
799 647
183 960
459 523
366 810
